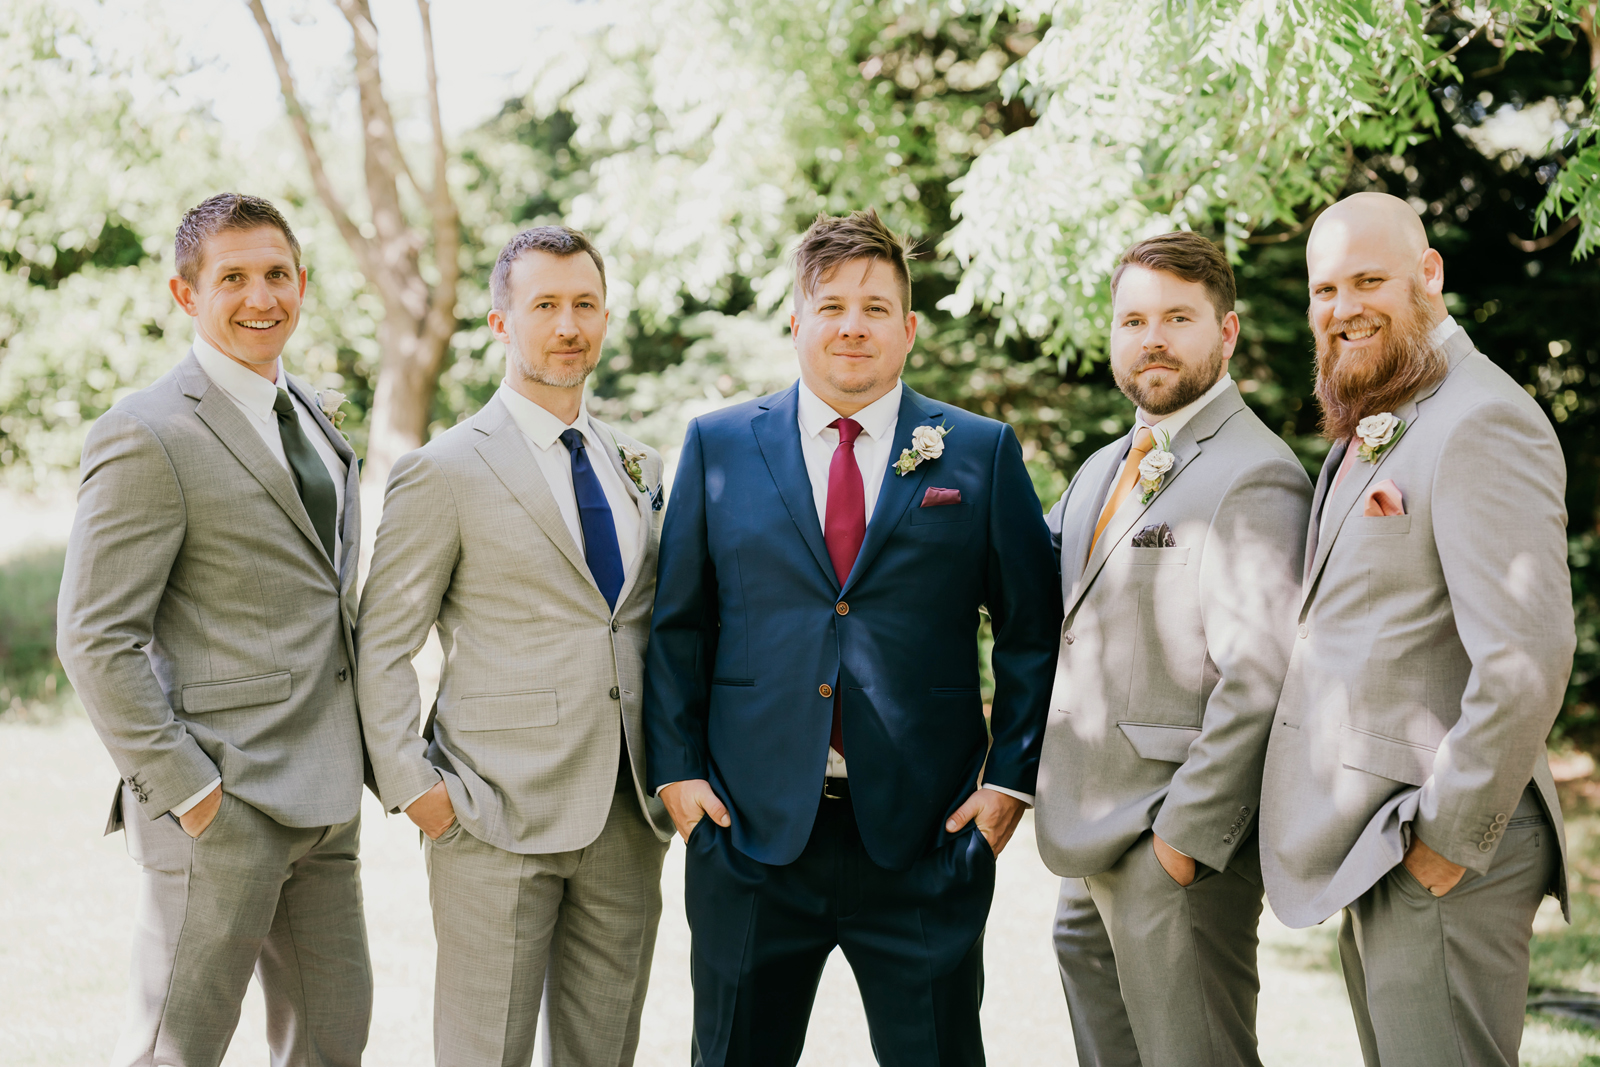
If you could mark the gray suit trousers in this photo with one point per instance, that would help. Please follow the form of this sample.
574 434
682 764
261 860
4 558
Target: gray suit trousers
1443 981
249 894
1181 991
575 930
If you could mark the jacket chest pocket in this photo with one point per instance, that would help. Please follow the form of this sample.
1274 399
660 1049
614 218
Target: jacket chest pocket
942 513
506 711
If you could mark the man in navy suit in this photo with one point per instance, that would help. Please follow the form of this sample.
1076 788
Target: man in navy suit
812 711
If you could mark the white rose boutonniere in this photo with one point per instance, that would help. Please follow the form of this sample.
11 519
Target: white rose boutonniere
331 401
1154 466
1377 434
927 442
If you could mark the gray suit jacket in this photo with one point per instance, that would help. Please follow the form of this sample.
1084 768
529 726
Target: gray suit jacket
1433 649
201 621
540 679
1171 658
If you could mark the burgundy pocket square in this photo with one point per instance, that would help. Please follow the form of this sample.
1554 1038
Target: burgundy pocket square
935 497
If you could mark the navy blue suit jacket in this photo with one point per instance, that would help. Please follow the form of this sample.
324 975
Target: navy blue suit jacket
750 624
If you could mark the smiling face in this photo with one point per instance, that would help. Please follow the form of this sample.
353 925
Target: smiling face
852 334
245 300
1167 347
555 324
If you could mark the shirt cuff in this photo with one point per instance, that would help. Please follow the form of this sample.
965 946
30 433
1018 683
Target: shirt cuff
1026 798
180 810
422 794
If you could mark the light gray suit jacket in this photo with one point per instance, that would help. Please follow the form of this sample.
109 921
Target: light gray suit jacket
200 619
1171 658
540 678
1433 649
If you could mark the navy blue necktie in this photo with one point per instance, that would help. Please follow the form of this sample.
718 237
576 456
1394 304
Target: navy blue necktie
594 515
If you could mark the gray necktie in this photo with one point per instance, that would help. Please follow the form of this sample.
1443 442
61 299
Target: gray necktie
310 473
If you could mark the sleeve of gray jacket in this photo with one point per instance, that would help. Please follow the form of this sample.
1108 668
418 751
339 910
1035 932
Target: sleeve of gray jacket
125 539
419 540
1249 590
1499 522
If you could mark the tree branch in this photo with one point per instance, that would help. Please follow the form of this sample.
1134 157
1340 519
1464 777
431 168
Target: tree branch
302 128
357 13
1539 244
1287 235
446 223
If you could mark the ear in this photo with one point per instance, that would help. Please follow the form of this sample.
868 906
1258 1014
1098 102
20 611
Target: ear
183 293
1230 334
911 329
497 326
302 283
1433 272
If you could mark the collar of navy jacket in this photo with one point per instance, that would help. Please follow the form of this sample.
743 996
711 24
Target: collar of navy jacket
775 430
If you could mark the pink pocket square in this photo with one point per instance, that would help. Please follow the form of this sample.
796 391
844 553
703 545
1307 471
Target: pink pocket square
935 497
1385 499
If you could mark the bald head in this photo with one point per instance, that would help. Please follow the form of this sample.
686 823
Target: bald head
1365 255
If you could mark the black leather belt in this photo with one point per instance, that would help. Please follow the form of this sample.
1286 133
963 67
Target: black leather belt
836 789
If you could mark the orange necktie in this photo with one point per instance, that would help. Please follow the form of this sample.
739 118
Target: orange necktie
1143 441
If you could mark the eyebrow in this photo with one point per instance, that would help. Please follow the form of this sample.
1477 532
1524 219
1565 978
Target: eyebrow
869 298
1188 308
557 296
225 268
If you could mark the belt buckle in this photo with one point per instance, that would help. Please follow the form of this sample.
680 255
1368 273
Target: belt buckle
830 796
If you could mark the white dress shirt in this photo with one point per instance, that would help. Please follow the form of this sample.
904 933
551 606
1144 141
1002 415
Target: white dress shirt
873 448
254 396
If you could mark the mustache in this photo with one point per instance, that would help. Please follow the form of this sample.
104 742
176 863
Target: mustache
1360 322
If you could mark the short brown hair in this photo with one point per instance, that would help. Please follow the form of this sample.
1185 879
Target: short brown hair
217 214
1191 257
557 240
836 239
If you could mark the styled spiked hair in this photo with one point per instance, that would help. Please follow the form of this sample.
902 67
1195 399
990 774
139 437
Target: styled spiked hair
217 214
1189 256
836 239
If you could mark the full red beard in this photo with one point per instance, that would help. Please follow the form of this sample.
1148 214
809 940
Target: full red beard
1350 387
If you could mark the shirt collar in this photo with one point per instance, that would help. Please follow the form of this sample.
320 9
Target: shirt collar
875 419
538 424
1442 331
1180 418
247 388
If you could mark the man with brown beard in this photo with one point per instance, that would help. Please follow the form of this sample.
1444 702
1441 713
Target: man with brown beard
1406 779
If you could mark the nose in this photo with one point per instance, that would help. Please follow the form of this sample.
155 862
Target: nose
1346 305
260 296
567 323
853 325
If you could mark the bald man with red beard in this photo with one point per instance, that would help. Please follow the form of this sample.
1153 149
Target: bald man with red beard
1406 779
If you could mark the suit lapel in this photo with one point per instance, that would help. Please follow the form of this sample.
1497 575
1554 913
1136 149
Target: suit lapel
1330 468
1342 501
777 430
897 491
507 454
641 501
1098 481
224 419
1185 447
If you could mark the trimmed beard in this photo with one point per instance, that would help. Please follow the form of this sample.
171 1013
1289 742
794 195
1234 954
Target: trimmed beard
572 379
1193 381
1351 388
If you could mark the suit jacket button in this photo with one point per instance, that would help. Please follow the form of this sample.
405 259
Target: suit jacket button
1068 638
842 608
1245 810
1304 631
615 692
615 627
1500 819
1227 839
824 690
1485 846
344 672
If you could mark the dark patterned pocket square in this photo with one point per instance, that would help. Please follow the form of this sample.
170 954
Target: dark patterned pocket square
1155 536
935 497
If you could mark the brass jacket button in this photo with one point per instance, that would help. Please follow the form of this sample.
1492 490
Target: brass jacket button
824 690
842 608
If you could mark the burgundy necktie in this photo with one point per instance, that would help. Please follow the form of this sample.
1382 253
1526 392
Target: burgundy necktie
844 530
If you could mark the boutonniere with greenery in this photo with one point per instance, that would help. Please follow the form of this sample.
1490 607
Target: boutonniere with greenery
331 401
927 442
1154 466
1378 433
633 462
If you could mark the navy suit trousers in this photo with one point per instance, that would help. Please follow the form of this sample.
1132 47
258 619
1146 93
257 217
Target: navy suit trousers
762 934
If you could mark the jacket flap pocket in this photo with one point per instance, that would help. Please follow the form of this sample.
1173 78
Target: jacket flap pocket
1152 741
1146 557
202 697
505 711
1386 757
922 516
